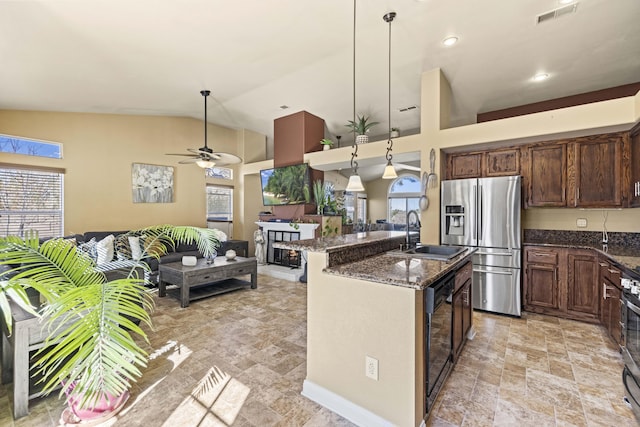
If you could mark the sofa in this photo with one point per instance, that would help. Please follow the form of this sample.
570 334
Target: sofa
121 255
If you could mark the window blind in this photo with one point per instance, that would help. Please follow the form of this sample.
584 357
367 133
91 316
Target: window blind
31 200
219 203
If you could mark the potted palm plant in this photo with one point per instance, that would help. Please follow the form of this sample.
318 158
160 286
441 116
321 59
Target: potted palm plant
361 126
92 321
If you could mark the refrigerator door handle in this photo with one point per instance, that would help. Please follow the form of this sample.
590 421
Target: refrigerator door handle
481 215
474 232
509 215
510 253
504 273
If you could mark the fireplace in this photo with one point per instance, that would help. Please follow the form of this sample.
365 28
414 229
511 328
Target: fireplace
284 257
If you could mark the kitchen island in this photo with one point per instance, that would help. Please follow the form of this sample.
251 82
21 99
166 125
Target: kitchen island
366 326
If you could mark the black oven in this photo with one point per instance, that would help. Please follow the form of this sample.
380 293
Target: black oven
438 310
631 348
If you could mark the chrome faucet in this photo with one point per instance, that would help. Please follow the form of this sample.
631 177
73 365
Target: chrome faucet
415 213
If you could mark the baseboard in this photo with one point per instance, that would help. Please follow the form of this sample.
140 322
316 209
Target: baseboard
343 407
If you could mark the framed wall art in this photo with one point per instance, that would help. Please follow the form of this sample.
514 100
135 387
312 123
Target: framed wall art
152 183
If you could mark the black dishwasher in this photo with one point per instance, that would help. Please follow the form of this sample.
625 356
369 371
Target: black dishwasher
438 318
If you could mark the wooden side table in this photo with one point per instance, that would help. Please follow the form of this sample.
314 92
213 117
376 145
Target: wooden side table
28 334
240 246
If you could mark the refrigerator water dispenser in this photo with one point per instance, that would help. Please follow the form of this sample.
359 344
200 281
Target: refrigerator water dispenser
454 220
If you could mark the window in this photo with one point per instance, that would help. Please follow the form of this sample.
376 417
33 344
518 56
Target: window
219 172
404 196
30 147
356 207
31 199
219 203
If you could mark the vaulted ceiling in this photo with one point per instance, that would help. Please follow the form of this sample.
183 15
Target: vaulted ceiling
153 57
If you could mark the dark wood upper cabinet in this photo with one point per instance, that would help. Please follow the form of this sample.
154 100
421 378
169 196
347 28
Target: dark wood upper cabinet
464 165
502 162
597 171
483 164
547 175
596 163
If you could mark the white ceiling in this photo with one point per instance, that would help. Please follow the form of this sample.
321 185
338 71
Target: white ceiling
154 56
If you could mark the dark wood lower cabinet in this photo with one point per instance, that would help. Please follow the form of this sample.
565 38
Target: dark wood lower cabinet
561 282
462 310
582 275
611 301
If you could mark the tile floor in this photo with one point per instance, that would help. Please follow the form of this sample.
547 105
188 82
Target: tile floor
239 359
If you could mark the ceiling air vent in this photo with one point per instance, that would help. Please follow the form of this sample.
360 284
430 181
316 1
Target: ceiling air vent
556 13
409 108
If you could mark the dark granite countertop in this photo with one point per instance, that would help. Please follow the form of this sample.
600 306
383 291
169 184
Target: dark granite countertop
405 271
623 248
336 243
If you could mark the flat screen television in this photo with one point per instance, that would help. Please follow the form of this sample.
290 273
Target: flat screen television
285 185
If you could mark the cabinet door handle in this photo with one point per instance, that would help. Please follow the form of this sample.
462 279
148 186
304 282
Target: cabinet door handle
603 264
613 271
604 290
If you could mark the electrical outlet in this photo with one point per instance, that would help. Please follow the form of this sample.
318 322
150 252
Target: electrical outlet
371 368
581 222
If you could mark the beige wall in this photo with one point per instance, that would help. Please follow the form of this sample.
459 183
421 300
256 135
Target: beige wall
99 150
343 330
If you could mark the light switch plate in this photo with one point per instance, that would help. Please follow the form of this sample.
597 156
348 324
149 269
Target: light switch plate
581 222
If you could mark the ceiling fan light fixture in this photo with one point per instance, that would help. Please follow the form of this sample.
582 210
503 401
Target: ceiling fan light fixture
205 164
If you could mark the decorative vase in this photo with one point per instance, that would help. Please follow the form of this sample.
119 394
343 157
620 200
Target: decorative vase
362 139
394 134
326 147
189 261
230 255
211 258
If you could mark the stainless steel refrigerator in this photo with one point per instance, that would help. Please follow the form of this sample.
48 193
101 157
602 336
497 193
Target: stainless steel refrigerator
485 213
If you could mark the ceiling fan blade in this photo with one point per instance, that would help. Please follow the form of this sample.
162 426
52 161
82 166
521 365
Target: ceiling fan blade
222 159
183 154
189 161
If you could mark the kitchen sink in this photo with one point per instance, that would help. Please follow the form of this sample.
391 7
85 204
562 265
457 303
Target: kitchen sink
435 252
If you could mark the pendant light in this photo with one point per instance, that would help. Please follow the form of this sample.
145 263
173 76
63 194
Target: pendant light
389 170
355 183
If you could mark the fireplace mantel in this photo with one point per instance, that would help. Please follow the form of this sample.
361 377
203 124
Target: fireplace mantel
307 230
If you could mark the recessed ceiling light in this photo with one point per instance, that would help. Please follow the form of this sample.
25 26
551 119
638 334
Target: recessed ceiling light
450 41
540 77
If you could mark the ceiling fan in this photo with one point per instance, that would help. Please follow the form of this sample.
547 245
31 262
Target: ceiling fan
205 157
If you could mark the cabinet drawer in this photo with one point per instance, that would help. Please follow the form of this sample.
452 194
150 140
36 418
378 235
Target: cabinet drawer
537 256
462 275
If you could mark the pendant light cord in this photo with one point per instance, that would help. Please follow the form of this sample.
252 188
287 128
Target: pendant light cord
354 154
388 18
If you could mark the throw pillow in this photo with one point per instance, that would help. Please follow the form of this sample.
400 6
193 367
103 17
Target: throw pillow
122 247
104 248
136 248
89 248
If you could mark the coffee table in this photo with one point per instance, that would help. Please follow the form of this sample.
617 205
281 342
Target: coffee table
203 280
